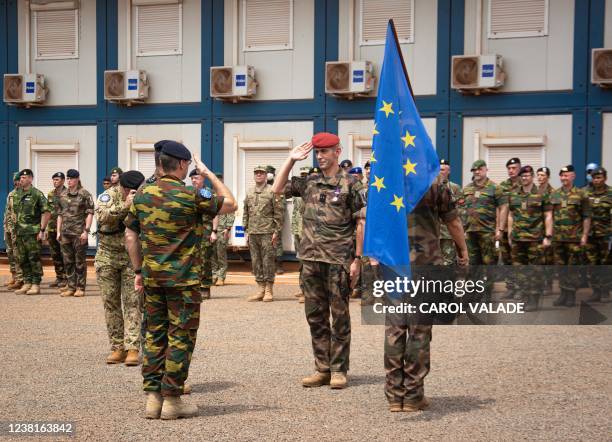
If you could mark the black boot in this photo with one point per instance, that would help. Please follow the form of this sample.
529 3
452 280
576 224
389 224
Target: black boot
571 299
532 303
562 299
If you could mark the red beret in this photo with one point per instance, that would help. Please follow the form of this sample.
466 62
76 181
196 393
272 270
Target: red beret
325 139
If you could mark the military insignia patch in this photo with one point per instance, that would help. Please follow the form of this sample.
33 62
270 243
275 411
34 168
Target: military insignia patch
205 193
104 198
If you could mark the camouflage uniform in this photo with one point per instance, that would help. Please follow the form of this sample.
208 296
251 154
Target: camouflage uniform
206 249
597 250
29 205
56 249
279 243
219 261
10 238
407 354
506 187
261 218
115 275
449 252
74 208
165 214
548 257
296 221
570 209
326 250
481 203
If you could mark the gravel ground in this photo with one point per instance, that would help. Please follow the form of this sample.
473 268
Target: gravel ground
486 383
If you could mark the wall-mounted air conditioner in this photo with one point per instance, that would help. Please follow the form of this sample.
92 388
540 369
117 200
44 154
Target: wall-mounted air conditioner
477 73
601 67
349 78
232 83
24 89
126 87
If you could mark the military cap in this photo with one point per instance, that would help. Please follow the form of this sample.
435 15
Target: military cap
544 169
132 179
599 170
366 165
346 163
116 170
259 168
72 173
325 139
314 170
512 161
58 175
478 164
444 162
526 169
26 172
304 170
176 150
355 170
16 176
194 172
591 166
158 146
106 179
568 168
270 169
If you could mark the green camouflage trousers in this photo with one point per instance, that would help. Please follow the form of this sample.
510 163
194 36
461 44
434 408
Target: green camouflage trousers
527 258
296 246
449 252
407 361
206 272
263 256
568 254
548 259
75 266
506 258
219 258
172 318
481 248
369 274
122 305
56 255
28 256
326 290
279 245
597 254
10 240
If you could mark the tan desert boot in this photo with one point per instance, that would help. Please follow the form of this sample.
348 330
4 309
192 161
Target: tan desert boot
316 380
66 292
416 406
174 407
132 358
187 389
15 285
79 293
395 407
260 293
24 288
154 405
34 290
301 299
220 282
268 294
338 380
116 357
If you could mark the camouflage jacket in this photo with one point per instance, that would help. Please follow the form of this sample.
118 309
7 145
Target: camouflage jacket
263 211
226 221
204 227
29 205
548 189
455 190
166 214
74 208
601 206
53 199
296 216
528 211
110 213
506 187
9 212
424 224
481 203
570 209
328 222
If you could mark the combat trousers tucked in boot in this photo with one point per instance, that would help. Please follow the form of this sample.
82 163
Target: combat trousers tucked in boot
269 295
259 295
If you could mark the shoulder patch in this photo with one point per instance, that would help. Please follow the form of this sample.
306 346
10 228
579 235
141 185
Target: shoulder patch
205 193
104 198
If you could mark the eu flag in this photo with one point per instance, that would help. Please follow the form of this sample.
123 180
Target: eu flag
404 162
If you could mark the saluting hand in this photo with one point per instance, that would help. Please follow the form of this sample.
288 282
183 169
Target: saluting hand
200 166
129 199
301 152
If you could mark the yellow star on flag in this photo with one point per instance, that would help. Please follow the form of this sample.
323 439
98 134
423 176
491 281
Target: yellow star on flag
408 139
398 202
374 131
372 159
387 108
409 167
378 183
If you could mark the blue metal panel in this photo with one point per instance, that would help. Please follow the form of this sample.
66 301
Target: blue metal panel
579 139
595 137
3 52
104 157
5 184
206 152
442 138
112 35
443 59
217 144
217 32
455 154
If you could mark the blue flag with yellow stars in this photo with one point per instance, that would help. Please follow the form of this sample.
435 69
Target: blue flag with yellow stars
403 164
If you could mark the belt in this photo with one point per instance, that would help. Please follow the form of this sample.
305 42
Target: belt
114 232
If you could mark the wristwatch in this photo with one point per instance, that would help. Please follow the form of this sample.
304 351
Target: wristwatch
547 236
214 230
138 271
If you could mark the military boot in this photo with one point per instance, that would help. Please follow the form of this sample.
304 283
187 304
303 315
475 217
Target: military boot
34 290
131 360
561 299
79 293
410 406
205 292
187 388
571 299
268 294
116 357
62 283
154 405
220 282
338 380
261 292
66 292
55 283
23 290
532 303
316 380
174 407
15 286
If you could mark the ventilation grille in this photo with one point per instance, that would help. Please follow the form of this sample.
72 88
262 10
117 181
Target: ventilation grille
465 72
338 77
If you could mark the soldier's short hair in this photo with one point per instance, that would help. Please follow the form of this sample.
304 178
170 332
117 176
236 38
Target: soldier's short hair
168 163
599 171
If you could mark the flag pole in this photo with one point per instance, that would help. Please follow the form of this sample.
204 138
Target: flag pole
399 51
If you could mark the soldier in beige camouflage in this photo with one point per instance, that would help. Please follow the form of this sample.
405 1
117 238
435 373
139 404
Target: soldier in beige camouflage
208 236
10 238
270 175
548 258
447 245
56 249
114 272
262 219
75 215
296 228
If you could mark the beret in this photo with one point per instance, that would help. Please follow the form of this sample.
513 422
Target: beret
599 170
568 168
355 170
194 172
259 169
219 175
325 139
514 160
132 179
16 176
158 146
444 162
478 164
346 163
176 150
72 173
58 175
270 169
314 170
26 172
116 170
106 178
526 169
544 169
367 165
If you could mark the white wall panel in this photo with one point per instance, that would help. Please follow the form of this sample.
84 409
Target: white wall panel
606 143
608 25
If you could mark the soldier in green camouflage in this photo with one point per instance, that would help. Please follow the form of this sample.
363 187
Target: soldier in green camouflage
548 258
262 219
270 175
329 254
296 228
114 272
209 236
223 225
529 231
10 238
56 249
449 253
31 218
165 214
598 247
572 223
75 215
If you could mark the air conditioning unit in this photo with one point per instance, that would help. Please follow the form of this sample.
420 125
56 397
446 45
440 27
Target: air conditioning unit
24 89
126 86
601 67
477 73
349 78
232 83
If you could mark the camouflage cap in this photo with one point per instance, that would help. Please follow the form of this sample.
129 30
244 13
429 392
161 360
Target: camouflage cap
304 170
478 164
259 168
